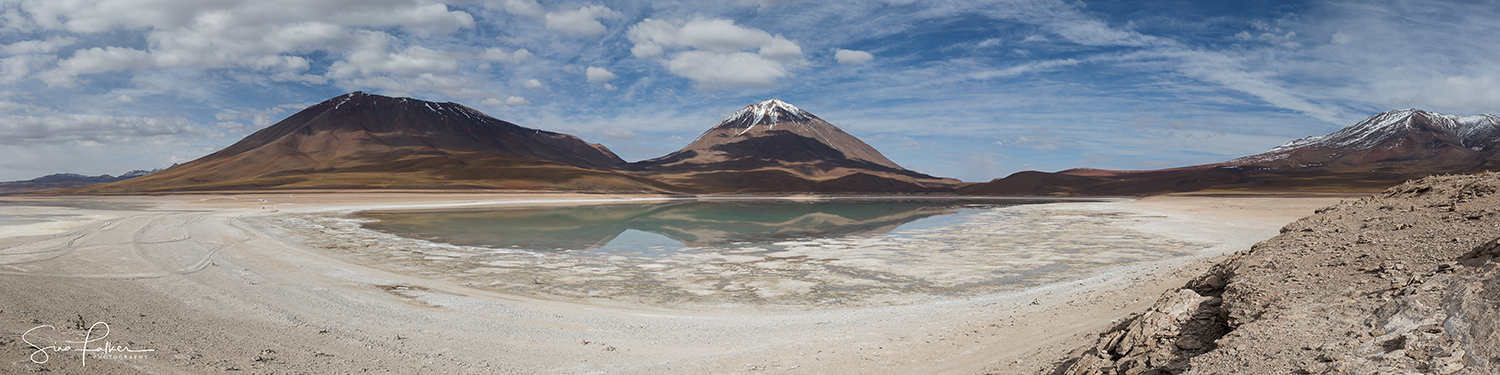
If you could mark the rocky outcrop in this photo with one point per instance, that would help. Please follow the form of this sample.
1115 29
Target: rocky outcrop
1180 325
1407 281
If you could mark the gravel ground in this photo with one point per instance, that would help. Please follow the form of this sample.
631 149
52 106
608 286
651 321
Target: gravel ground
1403 282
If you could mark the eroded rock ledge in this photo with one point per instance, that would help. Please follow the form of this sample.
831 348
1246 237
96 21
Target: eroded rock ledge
1407 281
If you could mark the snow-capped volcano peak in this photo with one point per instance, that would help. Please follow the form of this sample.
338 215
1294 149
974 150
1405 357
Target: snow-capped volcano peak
768 112
1393 129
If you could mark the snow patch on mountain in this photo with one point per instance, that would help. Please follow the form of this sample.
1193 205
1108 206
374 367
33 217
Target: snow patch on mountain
1389 129
768 113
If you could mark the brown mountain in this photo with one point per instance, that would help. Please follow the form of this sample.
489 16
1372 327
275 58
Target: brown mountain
1381 151
775 146
360 140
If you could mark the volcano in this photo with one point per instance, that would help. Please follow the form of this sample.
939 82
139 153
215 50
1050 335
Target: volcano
364 141
775 146
1383 150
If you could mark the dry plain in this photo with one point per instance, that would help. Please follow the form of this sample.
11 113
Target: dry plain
201 284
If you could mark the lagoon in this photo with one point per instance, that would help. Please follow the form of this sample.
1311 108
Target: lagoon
764 254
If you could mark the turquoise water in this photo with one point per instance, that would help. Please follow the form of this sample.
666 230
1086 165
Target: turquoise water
775 253
631 228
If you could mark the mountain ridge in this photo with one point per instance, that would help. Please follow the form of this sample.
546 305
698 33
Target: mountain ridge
1383 150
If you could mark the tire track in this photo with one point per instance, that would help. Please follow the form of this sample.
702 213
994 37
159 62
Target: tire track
201 264
70 245
139 239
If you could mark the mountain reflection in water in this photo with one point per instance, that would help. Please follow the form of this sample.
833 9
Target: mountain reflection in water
690 223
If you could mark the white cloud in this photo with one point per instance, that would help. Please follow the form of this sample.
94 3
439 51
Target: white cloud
1341 37
426 18
581 22
1018 70
499 55
261 118
125 99
513 100
29 47
16 68
599 75
373 57
96 60
610 87
373 64
521 7
1457 92
66 128
714 54
716 71
652 36
267 36
533 84
9 106
850 57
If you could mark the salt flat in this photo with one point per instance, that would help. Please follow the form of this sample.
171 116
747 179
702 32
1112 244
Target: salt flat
214 282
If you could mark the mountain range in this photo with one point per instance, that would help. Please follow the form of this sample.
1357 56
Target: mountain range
58 181
365 141
1383 150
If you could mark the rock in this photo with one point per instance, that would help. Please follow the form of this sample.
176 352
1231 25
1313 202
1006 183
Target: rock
1337 292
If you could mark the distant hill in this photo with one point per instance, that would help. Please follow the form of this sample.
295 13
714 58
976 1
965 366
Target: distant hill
61 181
1371 155
773 146
364 141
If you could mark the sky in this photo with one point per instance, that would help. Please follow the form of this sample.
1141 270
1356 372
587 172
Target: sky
973 89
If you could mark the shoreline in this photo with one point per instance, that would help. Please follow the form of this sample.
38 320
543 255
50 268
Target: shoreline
271 298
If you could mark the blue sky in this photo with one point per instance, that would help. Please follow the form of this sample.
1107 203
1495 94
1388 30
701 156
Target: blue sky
967 89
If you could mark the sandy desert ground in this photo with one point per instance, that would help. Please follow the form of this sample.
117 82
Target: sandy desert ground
186 284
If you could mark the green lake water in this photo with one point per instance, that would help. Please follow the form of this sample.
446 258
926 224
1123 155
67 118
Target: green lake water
767 253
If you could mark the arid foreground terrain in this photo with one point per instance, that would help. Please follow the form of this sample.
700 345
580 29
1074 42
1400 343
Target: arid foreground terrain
209 285
1407 281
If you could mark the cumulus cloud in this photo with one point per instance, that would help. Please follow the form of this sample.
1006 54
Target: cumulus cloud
16 68
267 36
492 102
713 52
533 84
27 47
66 128
96 60
599 75
371 62
850 57
499 55
726 70
580 22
